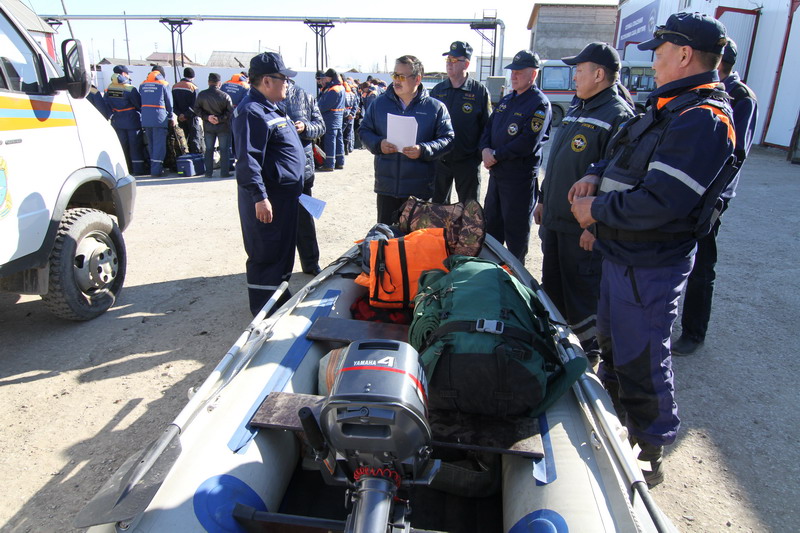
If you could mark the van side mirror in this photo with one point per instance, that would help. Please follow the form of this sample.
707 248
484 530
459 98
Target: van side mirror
77 79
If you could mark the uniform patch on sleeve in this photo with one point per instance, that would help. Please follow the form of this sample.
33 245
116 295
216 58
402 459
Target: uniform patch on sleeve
539 113
537 123
578 143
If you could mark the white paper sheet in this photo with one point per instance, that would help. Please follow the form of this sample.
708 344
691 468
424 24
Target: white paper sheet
401 131
314 206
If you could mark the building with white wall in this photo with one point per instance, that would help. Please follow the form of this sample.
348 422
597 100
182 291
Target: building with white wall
768 39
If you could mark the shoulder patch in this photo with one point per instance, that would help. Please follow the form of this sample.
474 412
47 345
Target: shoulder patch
539 113
536 124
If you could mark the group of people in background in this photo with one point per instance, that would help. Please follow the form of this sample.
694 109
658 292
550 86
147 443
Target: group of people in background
621 210
143 116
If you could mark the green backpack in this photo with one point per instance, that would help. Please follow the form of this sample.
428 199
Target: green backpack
486 342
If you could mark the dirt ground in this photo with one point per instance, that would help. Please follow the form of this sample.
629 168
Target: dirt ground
79 398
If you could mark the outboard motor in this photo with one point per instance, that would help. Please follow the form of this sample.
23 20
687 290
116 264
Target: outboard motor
375 435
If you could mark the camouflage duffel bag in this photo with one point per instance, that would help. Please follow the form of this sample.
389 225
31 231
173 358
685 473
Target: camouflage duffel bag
464 224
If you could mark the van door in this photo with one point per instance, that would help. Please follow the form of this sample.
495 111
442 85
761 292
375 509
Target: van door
39 145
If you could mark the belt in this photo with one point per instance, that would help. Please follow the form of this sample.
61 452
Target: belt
124 109
604 232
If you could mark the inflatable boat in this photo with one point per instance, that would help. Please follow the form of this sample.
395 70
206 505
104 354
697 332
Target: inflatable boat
257 449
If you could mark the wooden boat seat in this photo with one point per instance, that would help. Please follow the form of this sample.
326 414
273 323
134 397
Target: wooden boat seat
347 330
517 435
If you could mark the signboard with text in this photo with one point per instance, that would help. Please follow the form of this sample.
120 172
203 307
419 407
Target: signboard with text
638 26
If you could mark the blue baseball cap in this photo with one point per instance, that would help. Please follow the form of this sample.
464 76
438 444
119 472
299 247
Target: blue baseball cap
697 30
459 49
121 69
524 59
270 63
729 54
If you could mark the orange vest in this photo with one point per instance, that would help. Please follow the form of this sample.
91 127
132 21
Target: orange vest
397 264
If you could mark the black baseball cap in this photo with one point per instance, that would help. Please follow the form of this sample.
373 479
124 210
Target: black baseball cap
729 54
524 59
320 74
697 30
269 63
600 53
459 49
121 69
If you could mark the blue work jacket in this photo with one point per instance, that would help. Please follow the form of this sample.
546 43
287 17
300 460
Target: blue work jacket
395 174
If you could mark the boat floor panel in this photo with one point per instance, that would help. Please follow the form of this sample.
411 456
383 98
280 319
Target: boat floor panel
348 330
512 435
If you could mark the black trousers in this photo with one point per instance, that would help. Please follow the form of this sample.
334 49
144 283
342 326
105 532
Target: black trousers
388 206
571 278
509 211
465 173
193 130
700 288
307 247
270 247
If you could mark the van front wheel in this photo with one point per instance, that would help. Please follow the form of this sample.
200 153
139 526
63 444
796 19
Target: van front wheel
87 265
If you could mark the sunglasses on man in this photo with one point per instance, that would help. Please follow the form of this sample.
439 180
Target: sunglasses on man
662 30
402 77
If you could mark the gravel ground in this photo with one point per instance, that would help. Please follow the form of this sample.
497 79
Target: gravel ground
79 398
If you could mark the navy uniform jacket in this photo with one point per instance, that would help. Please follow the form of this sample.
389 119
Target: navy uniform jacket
517 130
271 158
581 140
745 115
156 101
469 109
235 90
332 104
395 174
184 94
301 106
125 104
686 159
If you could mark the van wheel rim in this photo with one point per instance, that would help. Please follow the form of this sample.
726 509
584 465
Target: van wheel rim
96 263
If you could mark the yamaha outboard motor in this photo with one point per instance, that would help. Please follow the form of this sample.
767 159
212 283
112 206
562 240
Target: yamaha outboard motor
375 434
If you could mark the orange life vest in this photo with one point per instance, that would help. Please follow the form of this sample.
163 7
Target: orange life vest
396 265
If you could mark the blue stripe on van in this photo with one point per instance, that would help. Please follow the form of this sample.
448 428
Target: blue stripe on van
30 113
280 378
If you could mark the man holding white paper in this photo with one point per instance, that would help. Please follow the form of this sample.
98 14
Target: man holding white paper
407 130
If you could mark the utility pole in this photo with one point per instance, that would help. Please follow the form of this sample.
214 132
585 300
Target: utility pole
64 7
127 42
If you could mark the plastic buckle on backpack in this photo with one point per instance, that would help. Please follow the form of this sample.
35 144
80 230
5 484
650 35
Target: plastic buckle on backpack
490 326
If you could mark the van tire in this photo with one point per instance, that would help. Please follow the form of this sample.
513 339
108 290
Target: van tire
558 115
87 265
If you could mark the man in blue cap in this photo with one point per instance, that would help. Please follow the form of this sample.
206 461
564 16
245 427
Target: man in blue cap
467 100
125 104
700 287
269 172
657 190
570 267
511 147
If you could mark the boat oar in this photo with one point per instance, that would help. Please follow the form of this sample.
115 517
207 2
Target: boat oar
583 389
129 491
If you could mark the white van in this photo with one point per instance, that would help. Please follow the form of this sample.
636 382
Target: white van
555 80
65 191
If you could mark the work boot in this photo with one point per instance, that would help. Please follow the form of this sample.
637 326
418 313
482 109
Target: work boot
685 346
654 455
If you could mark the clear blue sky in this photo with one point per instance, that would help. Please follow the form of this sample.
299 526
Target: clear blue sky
362 46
